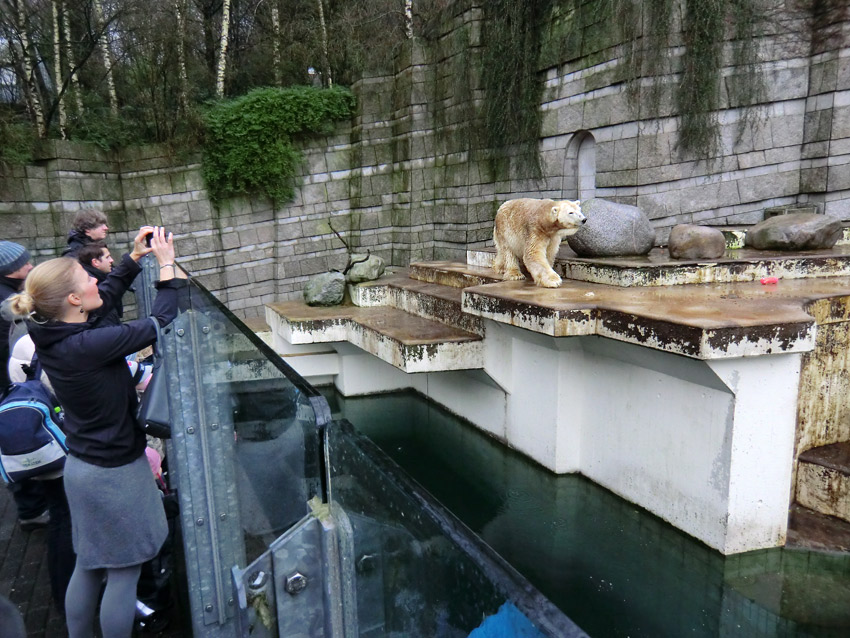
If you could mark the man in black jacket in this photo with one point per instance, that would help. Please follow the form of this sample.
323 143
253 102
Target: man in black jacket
89 225
15 265
97 262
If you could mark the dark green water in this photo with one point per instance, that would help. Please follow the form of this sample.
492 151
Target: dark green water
612 567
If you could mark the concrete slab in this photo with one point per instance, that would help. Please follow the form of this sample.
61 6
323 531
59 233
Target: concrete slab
706 321
410 343
658 269
427 300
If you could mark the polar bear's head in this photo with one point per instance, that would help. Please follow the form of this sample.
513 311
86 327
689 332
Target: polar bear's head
567 216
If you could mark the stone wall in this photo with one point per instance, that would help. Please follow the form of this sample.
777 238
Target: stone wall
400 179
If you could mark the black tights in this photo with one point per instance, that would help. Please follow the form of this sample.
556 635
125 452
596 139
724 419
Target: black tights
117 609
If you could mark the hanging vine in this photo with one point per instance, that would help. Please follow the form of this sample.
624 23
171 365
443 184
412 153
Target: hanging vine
517 33
511 112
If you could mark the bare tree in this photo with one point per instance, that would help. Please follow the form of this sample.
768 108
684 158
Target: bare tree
183 99
222 50
73 78
17 35
103 42
325 59
276 43
57 68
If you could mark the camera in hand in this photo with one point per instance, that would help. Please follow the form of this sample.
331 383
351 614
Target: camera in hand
148 239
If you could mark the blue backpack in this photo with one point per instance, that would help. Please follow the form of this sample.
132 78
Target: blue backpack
31 438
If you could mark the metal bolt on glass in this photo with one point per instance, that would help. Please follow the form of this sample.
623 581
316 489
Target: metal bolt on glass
296 583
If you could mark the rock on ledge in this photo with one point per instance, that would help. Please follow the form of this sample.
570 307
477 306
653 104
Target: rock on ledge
612 230
689 241
795 231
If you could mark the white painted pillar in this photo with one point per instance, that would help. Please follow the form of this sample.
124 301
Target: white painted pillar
761 449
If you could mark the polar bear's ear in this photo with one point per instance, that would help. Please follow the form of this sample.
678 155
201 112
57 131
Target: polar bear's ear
577 203
555 211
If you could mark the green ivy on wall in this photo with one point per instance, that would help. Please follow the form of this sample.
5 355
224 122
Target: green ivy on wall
520 38
248 142
512 37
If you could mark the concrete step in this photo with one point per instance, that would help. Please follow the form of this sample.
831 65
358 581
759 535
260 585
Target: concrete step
434 302
812 530
408 342
823 480
454 274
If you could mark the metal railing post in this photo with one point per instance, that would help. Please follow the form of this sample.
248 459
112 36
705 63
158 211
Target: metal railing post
201 460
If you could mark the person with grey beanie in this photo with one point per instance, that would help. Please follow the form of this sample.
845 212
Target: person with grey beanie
14 267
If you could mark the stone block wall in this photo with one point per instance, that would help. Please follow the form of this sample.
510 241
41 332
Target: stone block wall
401 180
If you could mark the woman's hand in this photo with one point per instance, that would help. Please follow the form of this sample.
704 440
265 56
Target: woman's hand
162 245
140 246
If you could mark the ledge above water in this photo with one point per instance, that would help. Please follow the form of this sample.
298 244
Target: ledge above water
658 269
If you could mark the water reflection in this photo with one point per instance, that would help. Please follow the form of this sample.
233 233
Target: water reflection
613 568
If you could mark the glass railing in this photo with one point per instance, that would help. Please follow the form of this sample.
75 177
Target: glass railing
245 455
417 571
296 525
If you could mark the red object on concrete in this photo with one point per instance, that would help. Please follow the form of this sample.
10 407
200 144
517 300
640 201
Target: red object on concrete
769 280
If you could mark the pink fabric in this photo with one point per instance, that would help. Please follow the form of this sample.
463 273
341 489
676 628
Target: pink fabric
155 461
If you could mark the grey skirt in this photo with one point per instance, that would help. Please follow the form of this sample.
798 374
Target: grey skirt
117 517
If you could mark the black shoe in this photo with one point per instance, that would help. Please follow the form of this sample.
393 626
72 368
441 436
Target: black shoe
150 621
154 623
29 524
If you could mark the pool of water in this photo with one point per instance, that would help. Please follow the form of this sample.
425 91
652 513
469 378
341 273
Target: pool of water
614 568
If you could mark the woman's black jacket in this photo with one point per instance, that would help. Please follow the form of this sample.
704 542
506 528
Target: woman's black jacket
90 376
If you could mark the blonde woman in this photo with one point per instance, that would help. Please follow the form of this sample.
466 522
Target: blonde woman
117 517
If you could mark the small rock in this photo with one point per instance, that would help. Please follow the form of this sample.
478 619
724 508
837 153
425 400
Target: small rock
365 269
689 241
795 231
612 230
326 289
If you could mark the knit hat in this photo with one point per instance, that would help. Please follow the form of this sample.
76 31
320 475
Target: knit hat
12 257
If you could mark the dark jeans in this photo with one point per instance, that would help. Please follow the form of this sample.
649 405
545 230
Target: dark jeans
60 548
29 498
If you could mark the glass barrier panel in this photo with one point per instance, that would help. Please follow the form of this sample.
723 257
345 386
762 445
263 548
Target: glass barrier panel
418 571
275 416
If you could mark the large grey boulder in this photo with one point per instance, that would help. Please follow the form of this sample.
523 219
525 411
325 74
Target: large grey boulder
689 241
365 268
795 231
326 289
612 230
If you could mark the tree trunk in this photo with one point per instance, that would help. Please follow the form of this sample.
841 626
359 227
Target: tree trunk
57 69
30 86
103 41
408 18
278 80
325 58
72 68
183 96
222 51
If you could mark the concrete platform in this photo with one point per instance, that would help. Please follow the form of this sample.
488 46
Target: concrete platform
658 269
410 343
707 321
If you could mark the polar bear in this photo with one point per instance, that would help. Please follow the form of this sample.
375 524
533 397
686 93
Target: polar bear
531 230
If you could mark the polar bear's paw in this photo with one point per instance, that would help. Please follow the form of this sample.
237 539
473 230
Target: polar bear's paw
549 280
513 275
